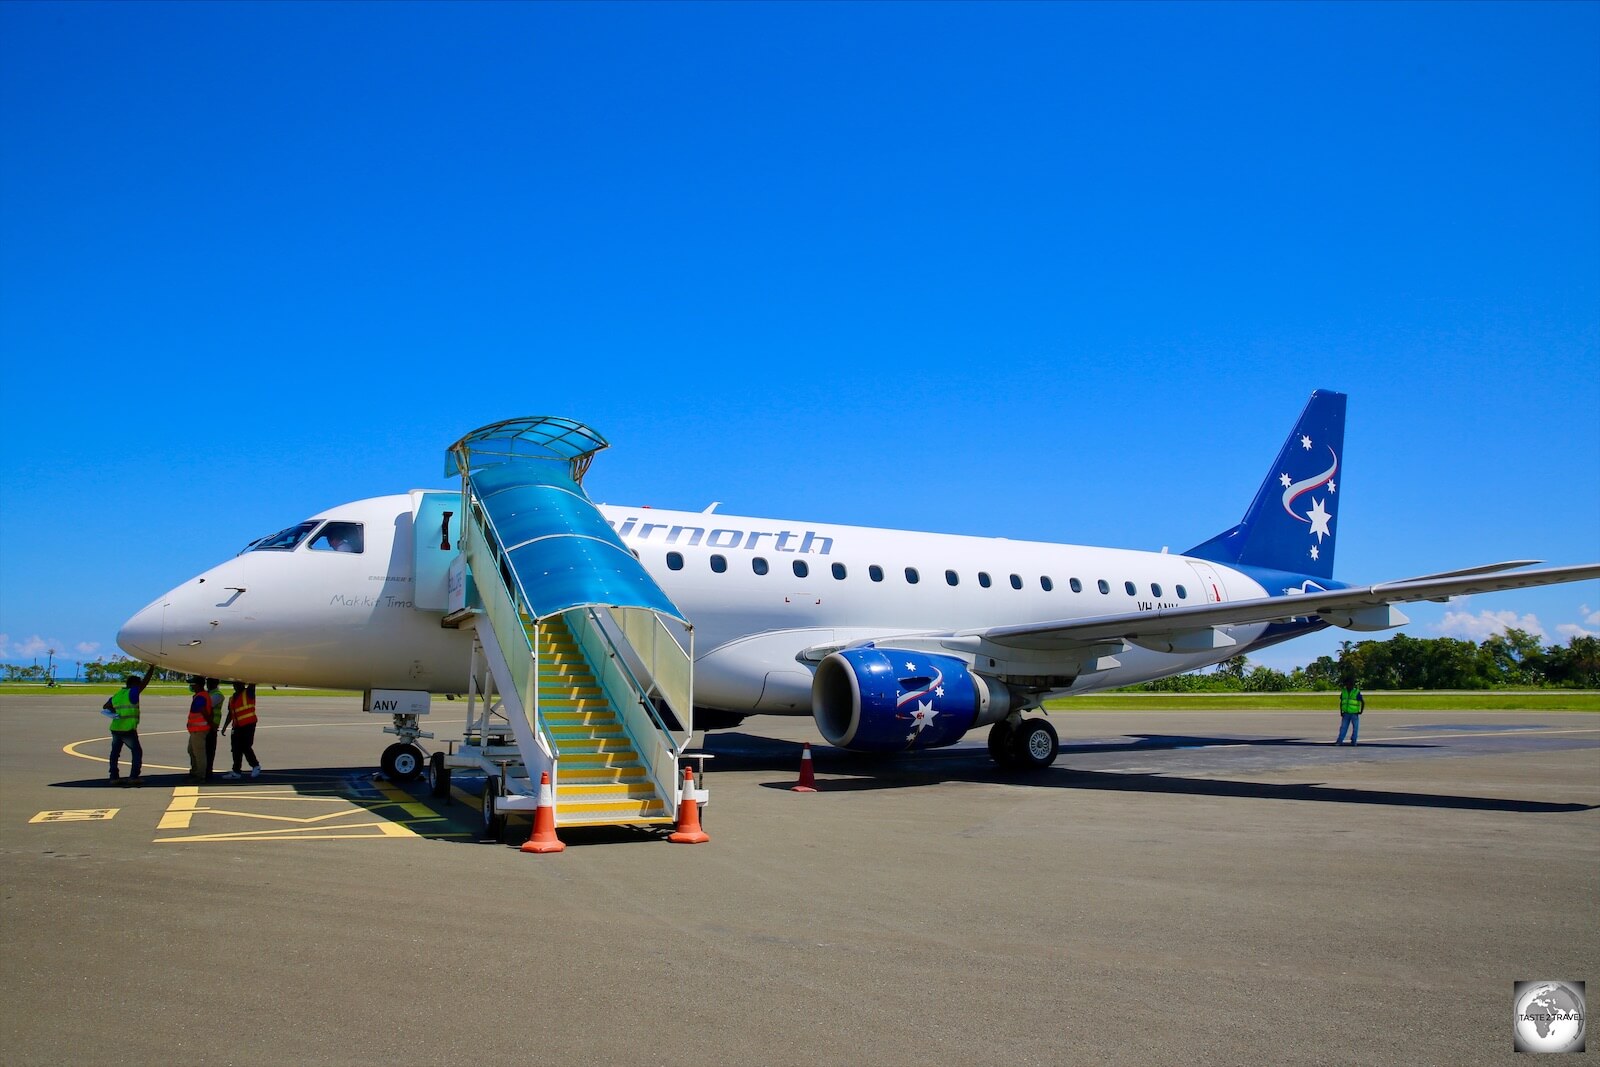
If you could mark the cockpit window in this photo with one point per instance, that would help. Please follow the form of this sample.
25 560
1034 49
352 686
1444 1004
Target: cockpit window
338 537
283 540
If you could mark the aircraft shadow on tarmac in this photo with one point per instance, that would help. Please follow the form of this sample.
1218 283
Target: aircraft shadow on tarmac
866 771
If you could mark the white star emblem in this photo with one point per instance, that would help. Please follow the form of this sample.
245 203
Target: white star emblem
939 691
922 718
1305 442
910 666
1319 520
1314 553
1283 480
1331 487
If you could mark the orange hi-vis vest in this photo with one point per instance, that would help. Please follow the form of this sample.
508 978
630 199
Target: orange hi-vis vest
243 708
199 714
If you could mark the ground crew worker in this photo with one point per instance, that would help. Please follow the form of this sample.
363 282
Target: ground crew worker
1351 705
242 717
213 694
199 729
124 709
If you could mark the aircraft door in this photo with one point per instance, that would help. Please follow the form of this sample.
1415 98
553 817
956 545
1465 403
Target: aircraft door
1210 581
435 543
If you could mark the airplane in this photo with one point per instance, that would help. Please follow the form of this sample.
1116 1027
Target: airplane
891 640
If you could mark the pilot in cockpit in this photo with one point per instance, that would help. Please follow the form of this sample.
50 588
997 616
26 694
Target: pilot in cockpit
338 537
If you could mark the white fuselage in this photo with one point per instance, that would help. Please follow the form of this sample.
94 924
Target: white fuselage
757 591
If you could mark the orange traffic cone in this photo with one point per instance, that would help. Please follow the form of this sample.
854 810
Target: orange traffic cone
808 777
689 832
543 838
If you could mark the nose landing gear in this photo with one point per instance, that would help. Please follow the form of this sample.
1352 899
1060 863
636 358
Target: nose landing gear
403 761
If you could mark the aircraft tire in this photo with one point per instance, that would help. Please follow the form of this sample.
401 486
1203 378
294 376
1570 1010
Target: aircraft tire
494 822
1000 744
402 762
1034 745
438 776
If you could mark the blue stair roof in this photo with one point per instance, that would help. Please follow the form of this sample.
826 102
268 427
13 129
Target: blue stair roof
562 550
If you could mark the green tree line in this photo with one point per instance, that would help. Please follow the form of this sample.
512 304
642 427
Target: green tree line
1514 659
93 671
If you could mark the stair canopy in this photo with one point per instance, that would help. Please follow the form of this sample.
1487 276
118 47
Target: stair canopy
525 478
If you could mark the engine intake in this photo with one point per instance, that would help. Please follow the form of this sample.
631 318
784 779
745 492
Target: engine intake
892 700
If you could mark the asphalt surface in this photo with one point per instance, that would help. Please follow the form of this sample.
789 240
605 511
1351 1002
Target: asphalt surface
1218 887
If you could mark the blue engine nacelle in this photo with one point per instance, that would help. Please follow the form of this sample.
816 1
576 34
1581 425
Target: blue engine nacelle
891 699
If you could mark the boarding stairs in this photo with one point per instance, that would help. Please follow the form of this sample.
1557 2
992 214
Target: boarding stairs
582 667
603 779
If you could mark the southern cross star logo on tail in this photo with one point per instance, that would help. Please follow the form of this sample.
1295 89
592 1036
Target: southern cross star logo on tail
1318 517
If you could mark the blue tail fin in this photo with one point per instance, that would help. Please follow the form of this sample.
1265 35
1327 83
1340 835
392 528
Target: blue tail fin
1290 524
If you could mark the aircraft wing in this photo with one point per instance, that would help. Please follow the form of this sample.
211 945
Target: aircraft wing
1194 628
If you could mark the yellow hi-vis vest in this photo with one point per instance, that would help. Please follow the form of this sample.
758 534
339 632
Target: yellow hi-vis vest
124 712
1350 702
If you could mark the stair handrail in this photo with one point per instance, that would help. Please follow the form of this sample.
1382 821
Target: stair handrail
506 612
640 691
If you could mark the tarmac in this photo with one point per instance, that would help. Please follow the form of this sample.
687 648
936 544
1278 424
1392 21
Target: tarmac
1181 887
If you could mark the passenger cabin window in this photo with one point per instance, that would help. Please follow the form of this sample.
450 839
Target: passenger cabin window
1183 594
839 572
1016 581
912 577
952 578
338 537
1105 586
1155 590
759 565
674 561
875 572
1045 583
1077 586
984 580
283 540
1130 589
801 568
719 563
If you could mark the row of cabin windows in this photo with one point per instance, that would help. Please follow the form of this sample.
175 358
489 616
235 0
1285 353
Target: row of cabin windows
802 569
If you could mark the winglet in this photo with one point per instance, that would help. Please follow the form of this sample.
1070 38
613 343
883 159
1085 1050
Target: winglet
1290 524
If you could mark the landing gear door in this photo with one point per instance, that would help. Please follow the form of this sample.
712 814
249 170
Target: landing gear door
1210 581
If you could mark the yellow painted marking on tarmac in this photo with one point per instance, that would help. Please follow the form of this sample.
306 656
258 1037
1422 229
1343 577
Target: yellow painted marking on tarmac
72 748
185 800
189 801
407 802
80 815
381 828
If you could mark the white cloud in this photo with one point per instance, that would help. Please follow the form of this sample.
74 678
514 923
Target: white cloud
36 647
1588 626
1486 624
27 648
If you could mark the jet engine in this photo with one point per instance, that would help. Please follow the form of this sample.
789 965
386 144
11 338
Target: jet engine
891 699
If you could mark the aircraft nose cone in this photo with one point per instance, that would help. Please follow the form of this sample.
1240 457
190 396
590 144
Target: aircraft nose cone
141 636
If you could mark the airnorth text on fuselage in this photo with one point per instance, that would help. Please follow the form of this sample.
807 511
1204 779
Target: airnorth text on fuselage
809 541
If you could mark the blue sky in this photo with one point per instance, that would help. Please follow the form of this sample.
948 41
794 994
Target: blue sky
1064 272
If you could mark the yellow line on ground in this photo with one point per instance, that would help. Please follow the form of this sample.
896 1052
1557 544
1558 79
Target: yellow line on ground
384 828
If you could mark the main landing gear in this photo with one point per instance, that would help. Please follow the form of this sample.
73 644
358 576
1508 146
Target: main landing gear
1024 745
